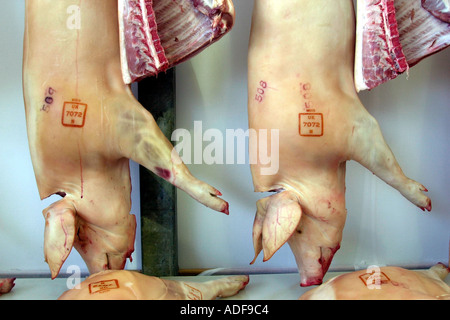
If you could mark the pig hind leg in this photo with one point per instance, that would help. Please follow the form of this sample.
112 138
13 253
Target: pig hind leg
371 150
209 290
142 141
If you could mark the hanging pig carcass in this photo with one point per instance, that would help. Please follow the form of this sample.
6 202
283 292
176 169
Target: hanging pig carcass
83 126
300 83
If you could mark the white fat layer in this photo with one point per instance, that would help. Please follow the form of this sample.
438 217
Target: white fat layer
358 72
123 51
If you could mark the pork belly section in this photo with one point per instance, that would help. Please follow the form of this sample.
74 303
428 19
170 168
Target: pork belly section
438 8
421 33
158 34
394 35
379 55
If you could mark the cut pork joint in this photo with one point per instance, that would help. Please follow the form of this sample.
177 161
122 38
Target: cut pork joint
378 49
158 34
393 36
438 8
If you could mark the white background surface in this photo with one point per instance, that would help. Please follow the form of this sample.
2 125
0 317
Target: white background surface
382 227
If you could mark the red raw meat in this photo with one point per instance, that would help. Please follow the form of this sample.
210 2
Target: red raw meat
157 35
393 36
6 285
378 51
438 8
421 33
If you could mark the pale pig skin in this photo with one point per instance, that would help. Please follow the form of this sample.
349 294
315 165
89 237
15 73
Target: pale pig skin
300 82
129 285
385 283
83 127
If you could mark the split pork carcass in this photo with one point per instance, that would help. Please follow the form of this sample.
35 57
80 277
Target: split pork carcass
130 285
301 89
6 285
83 126
385 283
159 34
395 35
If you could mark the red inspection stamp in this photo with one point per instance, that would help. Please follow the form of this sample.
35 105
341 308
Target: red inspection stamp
103 286
194 294
375 278
74 114
311 124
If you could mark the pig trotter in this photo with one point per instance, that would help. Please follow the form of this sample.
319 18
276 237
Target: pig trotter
209 290
143 142
371 150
